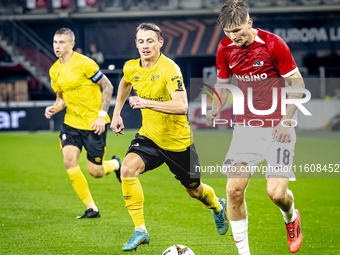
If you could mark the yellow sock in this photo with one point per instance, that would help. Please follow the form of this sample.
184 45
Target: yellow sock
134 199
109 166
209 199
79 184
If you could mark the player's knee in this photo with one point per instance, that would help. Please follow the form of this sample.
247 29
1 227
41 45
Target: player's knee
276 194
128 172
235 193
70 162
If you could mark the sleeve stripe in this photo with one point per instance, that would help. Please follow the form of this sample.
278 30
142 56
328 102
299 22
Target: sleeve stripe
97 76
290 73
223 80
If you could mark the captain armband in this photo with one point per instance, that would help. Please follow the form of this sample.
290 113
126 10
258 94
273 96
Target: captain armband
95 78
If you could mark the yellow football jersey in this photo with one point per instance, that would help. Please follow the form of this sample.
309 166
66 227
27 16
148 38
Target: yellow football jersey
169 131
77 81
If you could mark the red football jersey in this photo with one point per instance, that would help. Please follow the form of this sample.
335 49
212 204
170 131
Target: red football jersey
262 65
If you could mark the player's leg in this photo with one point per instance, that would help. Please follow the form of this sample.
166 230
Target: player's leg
218 206
278 192
132 167
71 144
188 160
206 195
184 166
238 179
95 146
141 156
79 183
108 166
277 189
279 172
247 149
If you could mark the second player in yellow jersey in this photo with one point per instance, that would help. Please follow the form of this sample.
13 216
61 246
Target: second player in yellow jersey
165 136
169 131
76 79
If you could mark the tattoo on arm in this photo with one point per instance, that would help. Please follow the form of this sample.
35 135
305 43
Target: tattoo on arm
107 88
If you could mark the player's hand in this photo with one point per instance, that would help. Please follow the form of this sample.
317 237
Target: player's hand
281 134
99 125
49 111
137 102
117 125
211 116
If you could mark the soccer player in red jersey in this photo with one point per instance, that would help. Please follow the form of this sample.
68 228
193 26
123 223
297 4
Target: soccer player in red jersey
263 62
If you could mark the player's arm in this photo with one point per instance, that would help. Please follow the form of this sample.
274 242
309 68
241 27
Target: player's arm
223 93
282 134
57 107
124 90
295 81
177 105
107 89
224 75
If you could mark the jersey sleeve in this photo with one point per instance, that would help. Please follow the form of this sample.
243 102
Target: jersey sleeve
174 79
91 71
54 84
127 72
223 70
283 58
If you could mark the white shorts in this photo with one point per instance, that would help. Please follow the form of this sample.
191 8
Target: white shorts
253 145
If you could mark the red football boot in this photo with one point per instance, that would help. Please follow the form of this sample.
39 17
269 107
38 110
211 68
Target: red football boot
294 234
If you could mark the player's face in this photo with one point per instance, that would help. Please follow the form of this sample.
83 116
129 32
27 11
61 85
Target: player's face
148 44
240 35
62 45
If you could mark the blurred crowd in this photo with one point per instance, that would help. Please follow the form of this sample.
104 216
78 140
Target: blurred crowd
22 6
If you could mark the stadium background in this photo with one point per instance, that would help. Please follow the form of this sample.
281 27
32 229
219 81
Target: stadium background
37 201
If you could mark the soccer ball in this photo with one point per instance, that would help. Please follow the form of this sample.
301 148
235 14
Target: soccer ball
178 250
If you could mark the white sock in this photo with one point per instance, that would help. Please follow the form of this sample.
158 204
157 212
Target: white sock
289 216
240 233
95 208
117 163
141 229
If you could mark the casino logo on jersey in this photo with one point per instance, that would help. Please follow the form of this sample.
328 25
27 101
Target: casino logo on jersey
154 77
252 77
258 63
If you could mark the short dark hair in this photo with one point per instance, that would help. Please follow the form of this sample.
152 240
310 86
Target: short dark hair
233 12
66 31
152 27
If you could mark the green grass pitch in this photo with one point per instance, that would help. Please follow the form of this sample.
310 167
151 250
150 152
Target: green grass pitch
39 206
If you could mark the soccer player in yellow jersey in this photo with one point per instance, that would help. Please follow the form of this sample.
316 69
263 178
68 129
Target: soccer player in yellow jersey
77 81
165 136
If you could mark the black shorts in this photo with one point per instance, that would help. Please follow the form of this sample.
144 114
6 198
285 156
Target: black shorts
95 145
183 164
